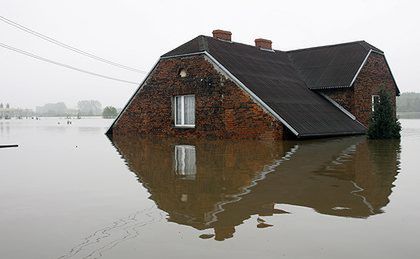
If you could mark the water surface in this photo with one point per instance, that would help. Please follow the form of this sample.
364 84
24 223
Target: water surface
69 192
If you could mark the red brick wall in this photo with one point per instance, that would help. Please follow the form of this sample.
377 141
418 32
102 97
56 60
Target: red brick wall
223 110
343 96
374 75
358 99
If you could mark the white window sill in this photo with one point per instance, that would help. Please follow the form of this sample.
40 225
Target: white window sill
185 126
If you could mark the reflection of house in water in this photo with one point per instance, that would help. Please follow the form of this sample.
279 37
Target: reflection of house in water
185 161
220 184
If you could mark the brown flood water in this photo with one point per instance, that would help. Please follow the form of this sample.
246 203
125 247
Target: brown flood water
69 192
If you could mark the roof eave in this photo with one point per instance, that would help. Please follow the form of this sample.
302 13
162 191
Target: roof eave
183 55
332 134
328 87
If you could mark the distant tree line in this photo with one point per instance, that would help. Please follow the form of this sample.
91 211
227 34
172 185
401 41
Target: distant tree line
84 108
408 102
109 112
6 111
52 109
89 108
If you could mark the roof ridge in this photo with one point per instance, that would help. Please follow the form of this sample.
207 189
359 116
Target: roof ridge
202 43
328 46
367 46
203 40
363 45
239 43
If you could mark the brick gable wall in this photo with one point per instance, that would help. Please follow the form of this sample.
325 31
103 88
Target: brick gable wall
223 110
358 99
374 75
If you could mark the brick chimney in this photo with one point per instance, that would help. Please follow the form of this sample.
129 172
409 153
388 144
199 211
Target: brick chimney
263 43
222 35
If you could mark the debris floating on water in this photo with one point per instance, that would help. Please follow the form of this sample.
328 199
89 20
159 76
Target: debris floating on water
260 220
206 236
264 225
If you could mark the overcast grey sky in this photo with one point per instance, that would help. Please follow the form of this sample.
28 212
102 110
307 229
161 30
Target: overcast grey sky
136 33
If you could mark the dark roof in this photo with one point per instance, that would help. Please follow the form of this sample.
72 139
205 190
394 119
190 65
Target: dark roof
272 77
331 66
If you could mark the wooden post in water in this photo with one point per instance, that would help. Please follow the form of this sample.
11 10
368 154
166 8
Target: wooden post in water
6 146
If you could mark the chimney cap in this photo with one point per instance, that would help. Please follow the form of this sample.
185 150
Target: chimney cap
222 35
263 43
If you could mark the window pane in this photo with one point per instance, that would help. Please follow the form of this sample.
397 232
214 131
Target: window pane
178 110
185 162
375 101
179 160
189 110
190 167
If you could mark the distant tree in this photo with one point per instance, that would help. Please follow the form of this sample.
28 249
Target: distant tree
89 107
110 112
52 109
384 124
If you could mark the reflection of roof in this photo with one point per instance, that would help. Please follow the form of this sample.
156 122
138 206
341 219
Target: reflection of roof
297 181
273 77
343 177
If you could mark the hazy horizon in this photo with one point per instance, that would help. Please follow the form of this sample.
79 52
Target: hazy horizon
136 34
68 105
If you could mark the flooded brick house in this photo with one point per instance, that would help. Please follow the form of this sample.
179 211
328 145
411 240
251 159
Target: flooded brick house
212 87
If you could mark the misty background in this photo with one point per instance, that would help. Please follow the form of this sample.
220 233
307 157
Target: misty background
136 33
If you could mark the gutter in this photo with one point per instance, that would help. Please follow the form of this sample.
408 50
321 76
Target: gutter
183 55
335 134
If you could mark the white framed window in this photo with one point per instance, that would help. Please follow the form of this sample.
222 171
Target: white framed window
375 101
185 161
184 106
